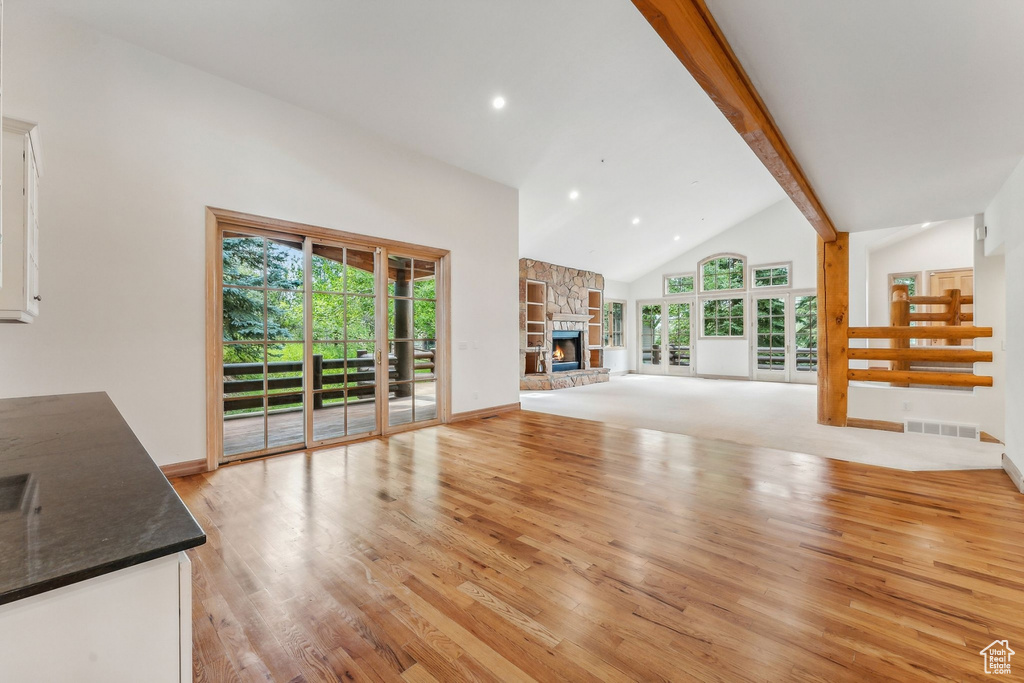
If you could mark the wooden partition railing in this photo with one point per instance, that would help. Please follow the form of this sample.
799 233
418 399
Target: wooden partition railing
900 354
357 379
951 299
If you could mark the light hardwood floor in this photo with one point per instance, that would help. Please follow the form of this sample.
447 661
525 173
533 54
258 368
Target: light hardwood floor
537 547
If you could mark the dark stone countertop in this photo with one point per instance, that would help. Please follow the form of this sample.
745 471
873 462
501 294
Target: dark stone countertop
79 496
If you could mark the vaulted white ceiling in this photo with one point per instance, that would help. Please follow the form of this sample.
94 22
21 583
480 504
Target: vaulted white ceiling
900 111
595 103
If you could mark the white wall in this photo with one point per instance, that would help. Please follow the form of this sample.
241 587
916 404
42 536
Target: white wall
780 233
618 360
942 246
1004 219
135 146
946 245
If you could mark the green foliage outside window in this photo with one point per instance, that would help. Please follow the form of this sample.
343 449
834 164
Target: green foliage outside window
343 303
771 334
806 333
245 260
723 318
679 284
722 273
776 276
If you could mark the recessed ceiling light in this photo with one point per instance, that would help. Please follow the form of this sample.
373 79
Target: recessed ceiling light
676 238
636 221
498 102
574 195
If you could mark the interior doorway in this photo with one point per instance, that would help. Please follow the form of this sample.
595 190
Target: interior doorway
941 280
318 337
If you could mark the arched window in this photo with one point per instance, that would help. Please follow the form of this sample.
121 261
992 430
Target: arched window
722 272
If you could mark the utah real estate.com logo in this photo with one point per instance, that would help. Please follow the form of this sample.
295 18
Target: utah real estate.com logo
997 657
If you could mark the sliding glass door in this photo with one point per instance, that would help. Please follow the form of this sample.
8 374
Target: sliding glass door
412 340
262 335
323 341
343 353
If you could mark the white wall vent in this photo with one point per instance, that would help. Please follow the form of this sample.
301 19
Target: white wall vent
959 431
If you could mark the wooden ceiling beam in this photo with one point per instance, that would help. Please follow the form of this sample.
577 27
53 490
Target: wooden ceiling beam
690 31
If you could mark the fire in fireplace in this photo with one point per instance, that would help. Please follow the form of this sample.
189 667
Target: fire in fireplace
566 350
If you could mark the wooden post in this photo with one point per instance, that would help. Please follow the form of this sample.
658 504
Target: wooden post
899 316
954 314
833 322
318 381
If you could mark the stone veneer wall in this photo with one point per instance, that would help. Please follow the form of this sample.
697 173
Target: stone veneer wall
568 292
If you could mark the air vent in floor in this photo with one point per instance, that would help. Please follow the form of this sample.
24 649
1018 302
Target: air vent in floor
943 429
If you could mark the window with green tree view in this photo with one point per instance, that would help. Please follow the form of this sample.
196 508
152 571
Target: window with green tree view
723 317
613 327
771 334
806 333
679 284
722 273
771 276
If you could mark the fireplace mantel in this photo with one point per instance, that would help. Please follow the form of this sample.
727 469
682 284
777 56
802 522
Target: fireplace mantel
569 317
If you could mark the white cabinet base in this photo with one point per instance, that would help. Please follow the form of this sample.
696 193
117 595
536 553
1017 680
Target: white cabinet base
127 626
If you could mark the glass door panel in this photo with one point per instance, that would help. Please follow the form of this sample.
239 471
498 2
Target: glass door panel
650 338
805 346
770 339
679 348
344 368
262 324
412 340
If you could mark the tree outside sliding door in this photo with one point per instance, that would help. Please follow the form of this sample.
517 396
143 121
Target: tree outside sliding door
262 334
344 366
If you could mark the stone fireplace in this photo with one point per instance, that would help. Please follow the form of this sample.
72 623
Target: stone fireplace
560 326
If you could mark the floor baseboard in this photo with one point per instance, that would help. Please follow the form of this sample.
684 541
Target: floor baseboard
883 425
1011 470
184 469
484 412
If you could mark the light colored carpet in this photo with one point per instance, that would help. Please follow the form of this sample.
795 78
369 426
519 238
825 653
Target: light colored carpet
772 415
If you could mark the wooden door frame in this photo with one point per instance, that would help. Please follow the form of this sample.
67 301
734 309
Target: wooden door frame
217 220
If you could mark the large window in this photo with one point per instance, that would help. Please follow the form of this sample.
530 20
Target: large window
613 327
721 273
679 284
770 276
723 317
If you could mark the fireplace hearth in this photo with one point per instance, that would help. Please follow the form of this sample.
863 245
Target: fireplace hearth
566 350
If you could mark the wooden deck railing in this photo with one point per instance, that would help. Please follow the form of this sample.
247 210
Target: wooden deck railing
900 354
806 358
327 373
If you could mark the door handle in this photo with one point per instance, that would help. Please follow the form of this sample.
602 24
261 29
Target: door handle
379 356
